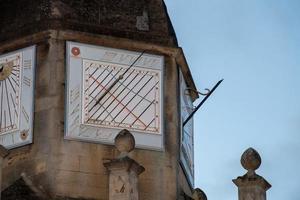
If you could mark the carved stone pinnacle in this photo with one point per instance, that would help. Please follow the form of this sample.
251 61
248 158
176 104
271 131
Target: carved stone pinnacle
251 160
124 142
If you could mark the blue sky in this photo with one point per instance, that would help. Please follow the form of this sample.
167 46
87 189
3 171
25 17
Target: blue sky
255 46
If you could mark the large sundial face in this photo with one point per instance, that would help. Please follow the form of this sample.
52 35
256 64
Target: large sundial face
105 94
16 97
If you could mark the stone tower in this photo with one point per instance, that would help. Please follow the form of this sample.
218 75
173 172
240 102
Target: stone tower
73 74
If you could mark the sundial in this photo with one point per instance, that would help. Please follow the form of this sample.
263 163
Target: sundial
16 97
113 89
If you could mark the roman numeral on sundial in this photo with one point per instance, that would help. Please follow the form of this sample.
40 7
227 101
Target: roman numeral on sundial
27 81
27 64
25 114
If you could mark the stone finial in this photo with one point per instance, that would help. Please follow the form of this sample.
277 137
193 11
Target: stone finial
124 142
199 194
123 171
251 186
251 160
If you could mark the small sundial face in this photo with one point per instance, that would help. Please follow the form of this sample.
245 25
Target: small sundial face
16 97
10 92
113 89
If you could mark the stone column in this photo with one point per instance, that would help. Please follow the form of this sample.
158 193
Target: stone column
3 153
123 171
251 186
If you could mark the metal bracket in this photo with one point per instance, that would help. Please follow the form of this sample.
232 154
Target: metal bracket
207 95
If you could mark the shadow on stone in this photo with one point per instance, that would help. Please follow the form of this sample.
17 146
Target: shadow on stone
19 191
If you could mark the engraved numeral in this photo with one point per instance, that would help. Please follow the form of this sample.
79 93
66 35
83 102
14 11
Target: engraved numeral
109 56
27 81
25 114
27 64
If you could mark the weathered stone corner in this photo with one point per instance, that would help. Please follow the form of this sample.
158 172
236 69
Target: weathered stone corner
251 186
3 153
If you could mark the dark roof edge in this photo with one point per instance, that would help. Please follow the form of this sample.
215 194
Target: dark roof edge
170 25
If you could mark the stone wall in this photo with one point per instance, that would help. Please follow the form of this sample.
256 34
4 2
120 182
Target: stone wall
75 169
120 18
65 168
